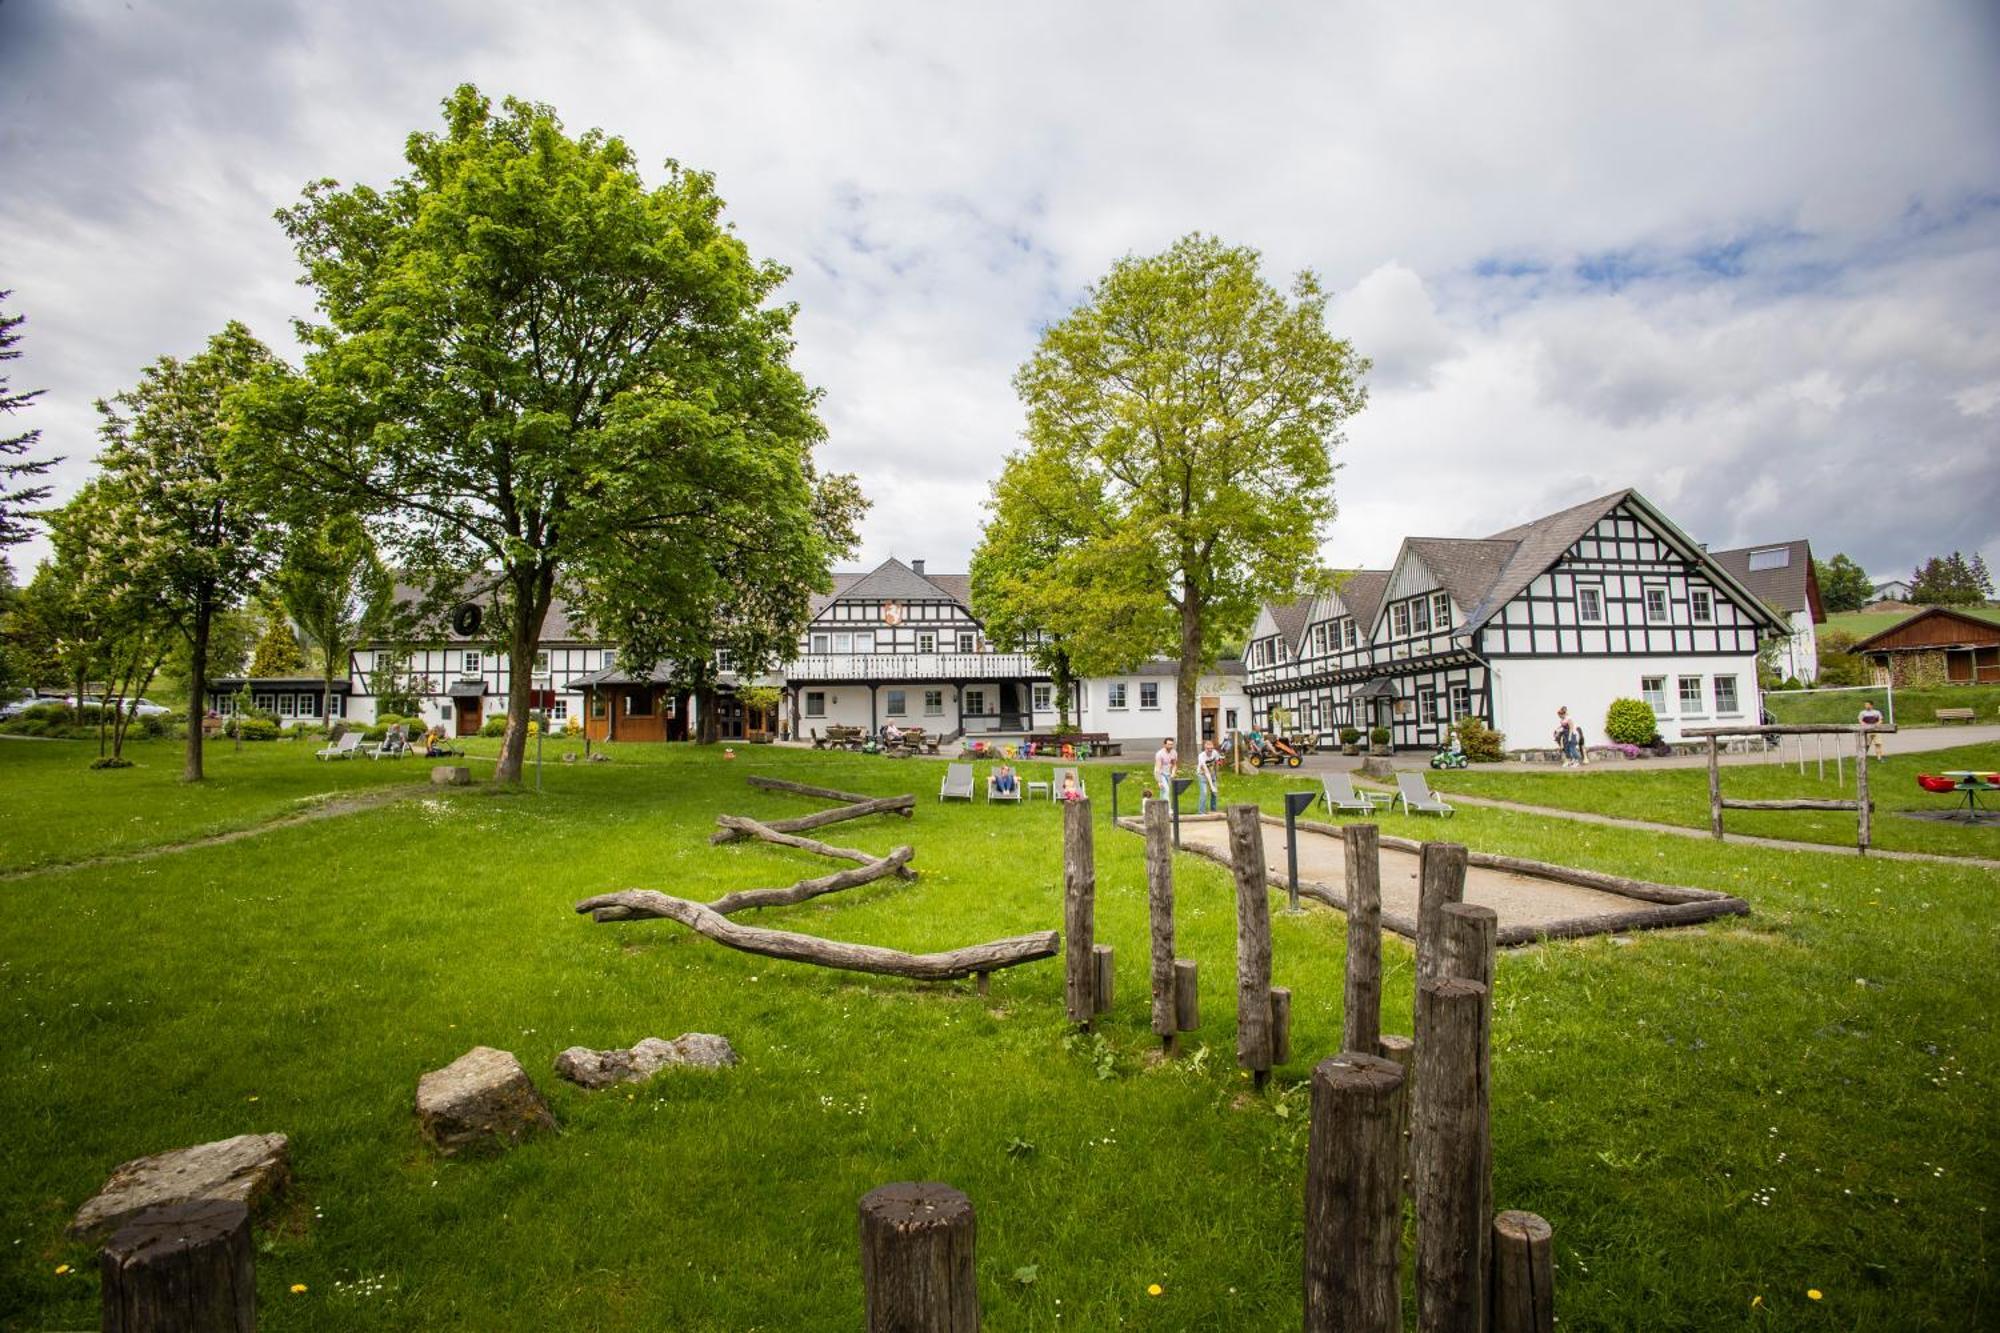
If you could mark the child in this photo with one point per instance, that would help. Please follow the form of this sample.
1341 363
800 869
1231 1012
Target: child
1070 791
1003 780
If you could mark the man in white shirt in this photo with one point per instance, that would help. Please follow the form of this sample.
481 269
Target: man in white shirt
1164 764
1207 765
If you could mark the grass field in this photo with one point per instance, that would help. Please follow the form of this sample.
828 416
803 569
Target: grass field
1715 1120
1914 708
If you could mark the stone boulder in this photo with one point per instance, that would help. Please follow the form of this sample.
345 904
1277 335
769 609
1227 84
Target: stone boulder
451 775
1380 767
483 1099
247 1169
600 1069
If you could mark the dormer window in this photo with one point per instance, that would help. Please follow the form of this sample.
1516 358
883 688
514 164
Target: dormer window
1399 620
1441 610
1420 616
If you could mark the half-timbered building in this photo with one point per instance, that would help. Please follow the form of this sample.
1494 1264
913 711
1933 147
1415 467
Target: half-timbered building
1782 574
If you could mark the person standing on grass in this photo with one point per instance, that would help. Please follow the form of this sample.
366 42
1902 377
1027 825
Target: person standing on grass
1165 762
1569 738
1207 765
1871 716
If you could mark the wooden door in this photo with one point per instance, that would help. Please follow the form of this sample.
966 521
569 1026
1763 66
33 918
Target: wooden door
469 719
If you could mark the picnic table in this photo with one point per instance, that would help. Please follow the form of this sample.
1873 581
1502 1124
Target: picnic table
1971 783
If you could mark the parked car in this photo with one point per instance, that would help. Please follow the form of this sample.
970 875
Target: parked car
146 708
19 704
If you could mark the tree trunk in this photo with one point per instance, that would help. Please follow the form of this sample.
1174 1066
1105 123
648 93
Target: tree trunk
1065 680
1187 735
533 586
204 612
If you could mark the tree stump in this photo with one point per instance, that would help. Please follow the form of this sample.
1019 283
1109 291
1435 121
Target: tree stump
1079 913
181 1268
1102 975
1354 1196
1253 941
1451 1153
451 775
1361 1013
917 1272
1187 994
1441 880
1524 1299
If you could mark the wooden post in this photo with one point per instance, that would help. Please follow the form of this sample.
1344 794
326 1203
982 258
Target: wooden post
1403 1051
917 1261
1714 788
1079 912
1253 942
1361 1013
1101 975
1469 932
1354 1196
1281 1025
1160 902
1861 792
1450 1153
985 983
1440 880
1524 1291
181 1268
1187 995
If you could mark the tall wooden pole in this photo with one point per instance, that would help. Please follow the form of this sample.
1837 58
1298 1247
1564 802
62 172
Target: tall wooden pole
1160 902
1253 942
1441 880
917 1259
1714 788
1361 1012
1079 913
1861 791
1354 1196
1450 1151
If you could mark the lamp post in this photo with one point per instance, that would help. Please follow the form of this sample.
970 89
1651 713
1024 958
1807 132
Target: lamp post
1179 785
1296 804
1118 775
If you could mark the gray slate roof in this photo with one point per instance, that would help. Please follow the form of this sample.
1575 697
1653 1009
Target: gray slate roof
892 580
1291 619
1362 591
1465 567
1784 588
1538 543
1168 666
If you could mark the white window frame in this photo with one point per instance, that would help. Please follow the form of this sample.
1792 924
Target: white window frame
1229 719
972 701
927 642
897 703
1114 696
1441 610
864 642
287 705
1461 701
933 703
968 642
822 644
1701 606
264 703
1681 694
1647 594
843 642
1149 694
609 660
1735 705
1319 640
542 662
1590 604
1348 632
1427 706
559 711
815 703
1653 689
1420 616
1399 620
1043 699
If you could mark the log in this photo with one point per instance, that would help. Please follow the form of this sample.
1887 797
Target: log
991 957
1403 1051
1187 995
1451 1154
1524 1289
1101 977
1160 903
880 805
1253 941
180 1268
1799 803
1469 932
1281 1025
1645 890
743 899
748 827
1361 1011
1079 912
1440 880
1714 789
917 1262
1861 803
1643 918
1354 1194
828 793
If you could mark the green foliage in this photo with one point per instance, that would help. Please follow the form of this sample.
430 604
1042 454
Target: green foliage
1843 584
251 727
1631 722
1350 735
1178 472
1951 580
1481 743
334 589
521 316
277 652
496 725
17 502
1379 735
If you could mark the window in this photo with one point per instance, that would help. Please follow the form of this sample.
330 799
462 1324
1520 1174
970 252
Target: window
1441 610
337 706
596 704
1656 604
927 642
1589 604
1703 602
1461 702
1420 616
559 711
1149 694
843 643
265 703
1725 695
1690 694
472 664
815 703
967 641
974 703
287 705
898 704
1114 694
638 703
1045 698
822 643
673 706
1653 689
1427 706
1773 557
444 710
541 662
864 641
610 658
1319 640
1347 631
1229 719
933 703
1399 620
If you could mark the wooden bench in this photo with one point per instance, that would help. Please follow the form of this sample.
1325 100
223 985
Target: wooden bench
1955 715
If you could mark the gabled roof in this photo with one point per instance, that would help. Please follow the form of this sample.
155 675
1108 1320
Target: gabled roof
842 581
1781 576
557 627
1170 667
1538 544
1464 567
894 581
1981 621
1362 591
1291 619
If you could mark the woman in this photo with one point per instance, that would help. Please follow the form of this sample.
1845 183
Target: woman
1003 780
1569 738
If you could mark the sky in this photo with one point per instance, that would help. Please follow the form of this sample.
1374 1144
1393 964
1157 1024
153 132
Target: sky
1745 259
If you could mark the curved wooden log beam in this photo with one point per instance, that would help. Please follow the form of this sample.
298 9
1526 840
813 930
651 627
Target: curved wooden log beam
744 899
881 805
745 826
798 948
827 793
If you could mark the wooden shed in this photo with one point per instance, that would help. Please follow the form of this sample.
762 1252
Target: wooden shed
1965 643
618 706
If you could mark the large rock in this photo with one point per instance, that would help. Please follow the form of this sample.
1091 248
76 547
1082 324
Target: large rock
451 775
483 1099
1380 767
246 1169
600 1069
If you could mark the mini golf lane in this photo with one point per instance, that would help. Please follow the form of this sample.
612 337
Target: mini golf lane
1533 899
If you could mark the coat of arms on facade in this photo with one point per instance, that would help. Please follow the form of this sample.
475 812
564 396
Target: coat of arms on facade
892 613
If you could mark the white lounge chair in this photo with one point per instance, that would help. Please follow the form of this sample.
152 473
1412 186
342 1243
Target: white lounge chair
1340 793
346 747
1056 784
995 794
394 745
957 782
1417 797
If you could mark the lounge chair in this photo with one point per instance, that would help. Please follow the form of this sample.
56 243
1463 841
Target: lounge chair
1056 783
395 745
1417 797
346 747
994 794
1340 793
957 782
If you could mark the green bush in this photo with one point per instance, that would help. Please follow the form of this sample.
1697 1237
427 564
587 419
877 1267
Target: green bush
1379 736
1482 744
1350 735
1630 722
494 726
254 728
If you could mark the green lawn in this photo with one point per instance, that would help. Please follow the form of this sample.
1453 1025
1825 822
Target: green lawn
1914 708
1715 1119
1680 796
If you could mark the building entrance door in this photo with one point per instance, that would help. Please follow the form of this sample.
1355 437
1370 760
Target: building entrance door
468 715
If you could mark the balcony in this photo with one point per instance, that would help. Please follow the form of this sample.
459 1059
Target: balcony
913 666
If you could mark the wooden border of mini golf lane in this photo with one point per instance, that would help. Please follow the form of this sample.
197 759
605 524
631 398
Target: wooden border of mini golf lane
1674 904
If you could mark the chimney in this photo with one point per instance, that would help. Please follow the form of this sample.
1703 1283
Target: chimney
917 568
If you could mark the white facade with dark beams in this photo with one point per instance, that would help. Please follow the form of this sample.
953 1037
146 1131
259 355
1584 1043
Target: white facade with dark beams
1608 599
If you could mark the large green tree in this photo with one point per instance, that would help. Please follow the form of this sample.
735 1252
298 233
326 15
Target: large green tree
1843 584
171 445
17 500
536 373
1951 580
335 589
1185 415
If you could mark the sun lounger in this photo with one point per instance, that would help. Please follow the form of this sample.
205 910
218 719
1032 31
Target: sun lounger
995 794
1056 786
394 745
346 747
1417 797
1339 793
957 782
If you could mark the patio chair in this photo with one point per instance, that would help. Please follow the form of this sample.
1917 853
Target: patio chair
957 782
346 747
395 745
994 794
1340 793
1417 797
1056 784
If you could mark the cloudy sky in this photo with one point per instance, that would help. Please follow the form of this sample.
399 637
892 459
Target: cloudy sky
1744 258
